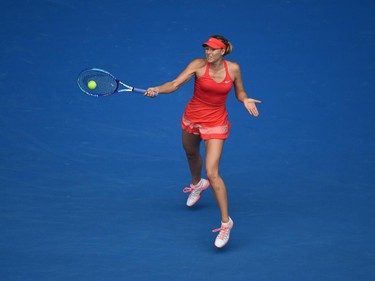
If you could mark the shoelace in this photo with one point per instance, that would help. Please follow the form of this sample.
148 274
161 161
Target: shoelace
189 189
224 231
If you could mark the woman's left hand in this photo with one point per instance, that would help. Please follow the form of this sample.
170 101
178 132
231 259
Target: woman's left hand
250 105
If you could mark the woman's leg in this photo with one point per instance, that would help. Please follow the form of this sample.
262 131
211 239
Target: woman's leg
214 148
191 144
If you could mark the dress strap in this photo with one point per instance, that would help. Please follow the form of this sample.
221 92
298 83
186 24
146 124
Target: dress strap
226 66
227 71
207 71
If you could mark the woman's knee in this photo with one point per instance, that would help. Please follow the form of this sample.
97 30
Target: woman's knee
212 174
192 155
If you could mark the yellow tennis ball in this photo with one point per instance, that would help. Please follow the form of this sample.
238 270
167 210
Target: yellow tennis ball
91 84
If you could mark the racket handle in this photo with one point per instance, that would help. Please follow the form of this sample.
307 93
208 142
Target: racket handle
138 90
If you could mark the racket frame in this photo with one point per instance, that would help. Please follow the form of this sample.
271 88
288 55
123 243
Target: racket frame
126 88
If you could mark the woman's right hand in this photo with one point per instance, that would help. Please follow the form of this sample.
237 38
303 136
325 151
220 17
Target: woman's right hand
152 92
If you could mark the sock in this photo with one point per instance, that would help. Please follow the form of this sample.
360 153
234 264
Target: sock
226 224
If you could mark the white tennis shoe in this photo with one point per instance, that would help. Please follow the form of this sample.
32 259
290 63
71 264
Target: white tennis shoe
195 191
224 234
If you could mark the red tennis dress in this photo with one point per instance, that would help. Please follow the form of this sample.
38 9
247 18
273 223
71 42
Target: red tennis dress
206 114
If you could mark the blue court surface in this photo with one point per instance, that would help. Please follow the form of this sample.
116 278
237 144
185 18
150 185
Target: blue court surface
91 188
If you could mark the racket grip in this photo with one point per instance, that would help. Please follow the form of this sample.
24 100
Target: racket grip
138 90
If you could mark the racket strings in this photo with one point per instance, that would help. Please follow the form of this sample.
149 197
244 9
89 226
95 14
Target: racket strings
106 84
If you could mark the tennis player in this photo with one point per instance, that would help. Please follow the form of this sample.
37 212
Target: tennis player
206 118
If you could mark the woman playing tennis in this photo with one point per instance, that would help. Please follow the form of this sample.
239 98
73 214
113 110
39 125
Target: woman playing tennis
206 118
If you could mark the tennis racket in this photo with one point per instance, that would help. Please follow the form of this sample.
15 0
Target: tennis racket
98 82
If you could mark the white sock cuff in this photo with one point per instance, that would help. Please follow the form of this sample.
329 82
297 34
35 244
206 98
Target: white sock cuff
226 223
199 183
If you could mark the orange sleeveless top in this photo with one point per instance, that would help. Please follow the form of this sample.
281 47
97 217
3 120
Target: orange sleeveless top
207 106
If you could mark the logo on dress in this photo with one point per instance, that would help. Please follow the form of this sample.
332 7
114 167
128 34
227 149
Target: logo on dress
226 82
